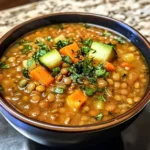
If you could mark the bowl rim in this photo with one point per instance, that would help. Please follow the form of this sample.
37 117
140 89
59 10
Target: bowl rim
84 128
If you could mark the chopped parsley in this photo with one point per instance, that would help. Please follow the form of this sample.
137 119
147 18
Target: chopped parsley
55 71
88 42
106 33
84 69
49 38
88 91
3 65
25 73
67 59
22 41
85 50
102 98
30 62
43 49
27 48
101 71
99 116
59 90
62 43
119 39
39 53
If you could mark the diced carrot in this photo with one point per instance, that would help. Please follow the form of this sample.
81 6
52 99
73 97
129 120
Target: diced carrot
71 51
76 99
42 75
109 66
125 64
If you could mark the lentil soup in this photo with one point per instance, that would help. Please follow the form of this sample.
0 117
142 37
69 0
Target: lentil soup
72 74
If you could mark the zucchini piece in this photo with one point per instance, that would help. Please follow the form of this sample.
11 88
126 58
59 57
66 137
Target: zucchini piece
51 59
59 38
102 52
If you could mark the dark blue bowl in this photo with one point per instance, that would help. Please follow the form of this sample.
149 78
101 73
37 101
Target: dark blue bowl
59 135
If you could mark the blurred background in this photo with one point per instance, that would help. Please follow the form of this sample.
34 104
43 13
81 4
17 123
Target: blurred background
5 4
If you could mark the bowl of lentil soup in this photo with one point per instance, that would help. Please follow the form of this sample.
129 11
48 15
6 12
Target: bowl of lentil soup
73 77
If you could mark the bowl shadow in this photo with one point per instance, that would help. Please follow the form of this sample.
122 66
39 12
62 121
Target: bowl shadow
113 143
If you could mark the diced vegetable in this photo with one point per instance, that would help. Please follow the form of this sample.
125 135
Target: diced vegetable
71 51
109 66
99 116
59 38
76 99
129 57
42 75
102 53
51 59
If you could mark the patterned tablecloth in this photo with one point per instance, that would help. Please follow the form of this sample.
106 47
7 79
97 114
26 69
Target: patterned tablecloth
133 12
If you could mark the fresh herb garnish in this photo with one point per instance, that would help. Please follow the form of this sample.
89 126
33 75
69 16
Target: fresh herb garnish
86 26
55 71
30 62
101 71
88 91
25 73
67 59
1 88
3 65
84 69
88 42
102 98
22 41
119 39
27 48
39 53
99 116
49 38
85 50
106 33
59 90
43 49
100 89
62 43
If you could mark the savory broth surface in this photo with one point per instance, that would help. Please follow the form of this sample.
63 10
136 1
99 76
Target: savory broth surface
72 74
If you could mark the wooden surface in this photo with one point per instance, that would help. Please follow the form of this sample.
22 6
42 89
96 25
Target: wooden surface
5 4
